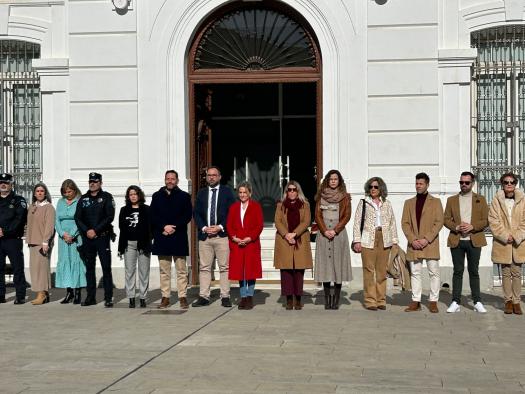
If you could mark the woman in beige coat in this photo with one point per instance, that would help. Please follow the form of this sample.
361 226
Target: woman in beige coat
292 253
507 223
39 238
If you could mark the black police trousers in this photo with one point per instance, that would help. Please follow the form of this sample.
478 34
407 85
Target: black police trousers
92 247
12 248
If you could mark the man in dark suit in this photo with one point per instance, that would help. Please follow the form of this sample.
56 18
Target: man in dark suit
211 209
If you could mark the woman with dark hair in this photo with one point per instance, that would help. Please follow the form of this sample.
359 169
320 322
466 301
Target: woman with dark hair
135 243
245 224
332 251
292 252
71 271
375 233
39 238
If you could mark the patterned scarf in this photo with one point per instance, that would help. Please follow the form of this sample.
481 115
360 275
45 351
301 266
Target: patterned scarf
332 196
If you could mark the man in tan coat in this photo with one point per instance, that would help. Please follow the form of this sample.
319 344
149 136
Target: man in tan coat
421 222
466 216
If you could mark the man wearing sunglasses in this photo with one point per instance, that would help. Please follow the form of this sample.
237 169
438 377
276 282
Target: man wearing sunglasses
421 222
13 217
466 216
94 215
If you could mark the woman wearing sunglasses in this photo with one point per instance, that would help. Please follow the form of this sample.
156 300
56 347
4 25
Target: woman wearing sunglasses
292 253
507 223
332 249
375 233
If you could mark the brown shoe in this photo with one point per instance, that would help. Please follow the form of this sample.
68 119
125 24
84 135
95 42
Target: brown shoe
413 306
40 298
297 305
381 307
242 303
433 307
372 308
249 303
183 303
508 308
164 303
289 303
517 309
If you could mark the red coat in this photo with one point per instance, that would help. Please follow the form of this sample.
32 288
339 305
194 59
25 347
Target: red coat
245 261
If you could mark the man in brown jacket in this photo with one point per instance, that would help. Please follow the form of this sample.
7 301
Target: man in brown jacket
421 222
466 216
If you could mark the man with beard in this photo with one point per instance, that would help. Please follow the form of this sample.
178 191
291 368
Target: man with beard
170 214
13 217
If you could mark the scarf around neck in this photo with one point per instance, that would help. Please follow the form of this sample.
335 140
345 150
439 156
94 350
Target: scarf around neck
332 196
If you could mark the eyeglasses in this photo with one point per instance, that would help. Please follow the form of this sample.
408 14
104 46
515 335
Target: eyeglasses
465 183
373 187
291 189
509 182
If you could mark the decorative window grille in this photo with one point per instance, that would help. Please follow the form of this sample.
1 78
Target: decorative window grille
20 119
255 39
498 86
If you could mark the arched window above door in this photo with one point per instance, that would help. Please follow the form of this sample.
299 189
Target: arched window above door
255 38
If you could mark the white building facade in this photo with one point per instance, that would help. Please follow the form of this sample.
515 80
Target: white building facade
396 93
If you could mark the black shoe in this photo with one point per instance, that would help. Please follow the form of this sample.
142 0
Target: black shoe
69 296
142 303
201 301
19 301
2 300
109 303
225 302
77 299
89 301
132 303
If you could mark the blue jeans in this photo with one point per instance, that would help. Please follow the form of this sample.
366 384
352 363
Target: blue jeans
247 287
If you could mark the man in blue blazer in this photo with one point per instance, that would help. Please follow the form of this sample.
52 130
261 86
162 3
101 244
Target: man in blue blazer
211 209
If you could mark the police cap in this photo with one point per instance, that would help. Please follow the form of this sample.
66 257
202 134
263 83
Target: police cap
6 178
95 177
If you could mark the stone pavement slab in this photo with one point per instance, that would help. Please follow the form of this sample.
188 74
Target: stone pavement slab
70 349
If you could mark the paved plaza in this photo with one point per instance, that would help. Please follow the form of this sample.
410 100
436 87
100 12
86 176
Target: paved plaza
71 349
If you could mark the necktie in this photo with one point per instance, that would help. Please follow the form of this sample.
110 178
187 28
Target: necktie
212 208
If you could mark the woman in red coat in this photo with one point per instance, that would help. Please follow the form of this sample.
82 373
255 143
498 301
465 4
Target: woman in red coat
244 225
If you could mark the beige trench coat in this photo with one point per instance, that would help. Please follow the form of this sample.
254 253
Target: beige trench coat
286 256
501 227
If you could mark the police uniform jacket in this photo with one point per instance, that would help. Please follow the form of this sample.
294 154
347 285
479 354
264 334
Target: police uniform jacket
96 213
13 216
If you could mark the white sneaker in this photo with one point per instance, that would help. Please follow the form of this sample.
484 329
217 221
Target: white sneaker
454 307
478 307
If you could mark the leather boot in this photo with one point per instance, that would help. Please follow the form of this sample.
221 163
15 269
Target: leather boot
517 309
297 304
289 303
433 307
132 302
183 303
336 298
508 308
413 306
69 296
242 304
249 303
40 298
78 294
327 298
142 302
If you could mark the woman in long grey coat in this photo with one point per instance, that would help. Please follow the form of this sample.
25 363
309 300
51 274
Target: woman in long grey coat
332 251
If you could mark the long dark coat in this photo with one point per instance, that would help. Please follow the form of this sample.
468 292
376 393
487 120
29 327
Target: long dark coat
174 208
245 261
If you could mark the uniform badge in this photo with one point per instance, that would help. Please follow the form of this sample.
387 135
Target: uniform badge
23 204
11 206
100 199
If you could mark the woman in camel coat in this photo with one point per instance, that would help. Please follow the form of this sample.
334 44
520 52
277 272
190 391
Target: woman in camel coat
292 252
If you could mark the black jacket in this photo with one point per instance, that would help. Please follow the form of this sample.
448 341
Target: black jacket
143 229
13 215
95 212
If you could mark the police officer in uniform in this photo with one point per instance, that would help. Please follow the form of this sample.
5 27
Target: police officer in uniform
13 217
94 214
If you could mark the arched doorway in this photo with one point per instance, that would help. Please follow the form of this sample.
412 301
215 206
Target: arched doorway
255 99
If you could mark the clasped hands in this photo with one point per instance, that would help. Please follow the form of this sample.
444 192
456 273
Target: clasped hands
290 237
212 230
330 234
67 238
169 229
241 242
464 228
419 244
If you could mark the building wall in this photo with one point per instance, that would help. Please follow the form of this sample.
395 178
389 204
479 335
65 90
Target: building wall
396 88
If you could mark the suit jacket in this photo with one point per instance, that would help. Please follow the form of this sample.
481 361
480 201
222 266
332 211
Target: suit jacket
429 227
200 213
479 219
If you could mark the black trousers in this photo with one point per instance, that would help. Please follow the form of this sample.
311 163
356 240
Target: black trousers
12 248
92 247
465 248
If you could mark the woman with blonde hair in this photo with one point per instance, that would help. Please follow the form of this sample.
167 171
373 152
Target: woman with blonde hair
292 254
332 250
71 271
375 233
39 238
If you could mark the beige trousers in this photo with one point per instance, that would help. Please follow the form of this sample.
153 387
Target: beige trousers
417 282
511 282
374 272
165 275
39 270
208 250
